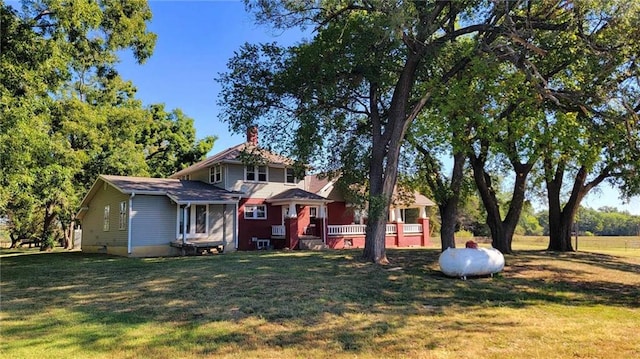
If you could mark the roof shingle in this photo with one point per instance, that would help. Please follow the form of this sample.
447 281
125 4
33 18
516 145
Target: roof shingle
178 190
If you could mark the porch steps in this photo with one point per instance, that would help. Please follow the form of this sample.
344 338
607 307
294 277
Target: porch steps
312 243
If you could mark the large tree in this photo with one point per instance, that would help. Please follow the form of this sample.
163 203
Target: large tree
593 129
574 58
361 79
67 114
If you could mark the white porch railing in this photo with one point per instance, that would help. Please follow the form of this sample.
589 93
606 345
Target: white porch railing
392 229
348 229
351 229
277 231
412 228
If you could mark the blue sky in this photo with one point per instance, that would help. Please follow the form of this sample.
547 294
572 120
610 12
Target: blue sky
195 41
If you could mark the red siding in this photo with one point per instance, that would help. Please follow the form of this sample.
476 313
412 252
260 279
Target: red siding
338 213
260 228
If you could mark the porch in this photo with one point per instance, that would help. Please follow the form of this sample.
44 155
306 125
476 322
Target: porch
353 235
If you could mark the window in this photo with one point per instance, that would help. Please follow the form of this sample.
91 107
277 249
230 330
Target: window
215 174
123 215
290 176
201 219
105 223
313 212
185 177
255 211
255 173
196 219
182 223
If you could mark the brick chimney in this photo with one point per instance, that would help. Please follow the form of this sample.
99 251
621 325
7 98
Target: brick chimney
252 135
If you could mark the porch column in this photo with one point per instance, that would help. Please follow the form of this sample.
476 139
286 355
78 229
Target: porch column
291 232
423 212
392 215
425 238
398 215
292 210
324 226
400 233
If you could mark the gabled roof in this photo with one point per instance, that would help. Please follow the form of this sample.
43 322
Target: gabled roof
233 155
315 183
180 191
401 198
297 195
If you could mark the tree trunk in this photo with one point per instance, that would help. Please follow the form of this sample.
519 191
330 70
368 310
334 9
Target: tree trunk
383 168
560 235
449 218
14 240
67 230
561 219
449 203
46 242
499 235
501 230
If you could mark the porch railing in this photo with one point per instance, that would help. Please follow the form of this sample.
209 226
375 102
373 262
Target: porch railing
277 231
357 229
392 229
412 228
348 229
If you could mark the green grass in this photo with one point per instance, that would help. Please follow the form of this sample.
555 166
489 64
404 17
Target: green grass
316 304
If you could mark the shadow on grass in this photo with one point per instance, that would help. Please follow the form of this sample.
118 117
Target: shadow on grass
282 299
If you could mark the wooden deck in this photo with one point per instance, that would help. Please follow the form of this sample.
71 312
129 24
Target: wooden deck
197 247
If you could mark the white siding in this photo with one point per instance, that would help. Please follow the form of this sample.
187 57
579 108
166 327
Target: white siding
201 175
235 182
216 222
153 220
221 217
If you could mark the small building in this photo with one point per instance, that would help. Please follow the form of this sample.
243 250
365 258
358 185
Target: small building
243 198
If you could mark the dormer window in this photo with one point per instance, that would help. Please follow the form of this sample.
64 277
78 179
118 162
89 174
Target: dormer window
256 174
290 176
215 174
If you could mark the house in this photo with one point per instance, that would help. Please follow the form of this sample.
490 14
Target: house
243 198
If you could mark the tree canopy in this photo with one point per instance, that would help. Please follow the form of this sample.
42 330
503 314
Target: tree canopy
494 80
67 116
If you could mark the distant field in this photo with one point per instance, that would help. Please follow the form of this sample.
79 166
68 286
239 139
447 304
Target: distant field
629 244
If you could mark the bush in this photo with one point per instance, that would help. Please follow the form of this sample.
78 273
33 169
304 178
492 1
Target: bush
464 234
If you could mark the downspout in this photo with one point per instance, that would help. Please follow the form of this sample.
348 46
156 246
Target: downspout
325 212
235 225
184 223
129 220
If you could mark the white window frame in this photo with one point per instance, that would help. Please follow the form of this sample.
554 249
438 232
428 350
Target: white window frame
314 209
293 176
255 170
122 222
215 174
192 218
251 211
105 218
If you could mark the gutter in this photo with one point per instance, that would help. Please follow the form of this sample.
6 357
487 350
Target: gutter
129 220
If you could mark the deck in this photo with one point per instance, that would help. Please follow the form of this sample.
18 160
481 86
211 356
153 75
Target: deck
197 247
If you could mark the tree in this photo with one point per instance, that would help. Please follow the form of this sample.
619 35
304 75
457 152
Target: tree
67 114
359 80
592 129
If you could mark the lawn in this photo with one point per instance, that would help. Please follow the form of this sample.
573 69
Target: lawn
317 305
